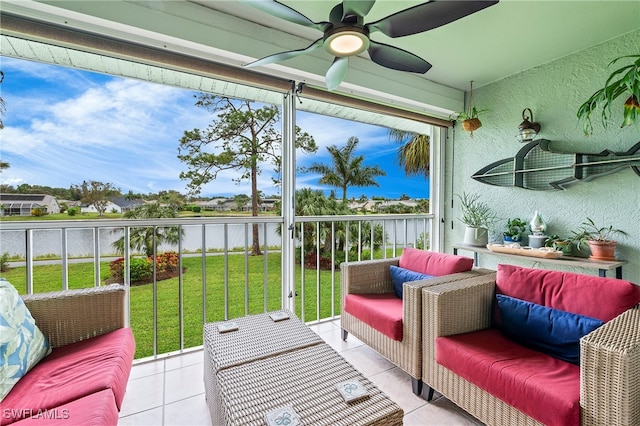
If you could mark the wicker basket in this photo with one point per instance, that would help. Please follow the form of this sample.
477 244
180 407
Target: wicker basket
471 124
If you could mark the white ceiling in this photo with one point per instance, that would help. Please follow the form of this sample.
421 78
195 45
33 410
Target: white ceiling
500 41
492 44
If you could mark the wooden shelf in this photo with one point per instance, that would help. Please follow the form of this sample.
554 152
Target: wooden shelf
579 262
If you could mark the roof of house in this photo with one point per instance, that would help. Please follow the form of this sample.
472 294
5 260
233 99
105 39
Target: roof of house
125 202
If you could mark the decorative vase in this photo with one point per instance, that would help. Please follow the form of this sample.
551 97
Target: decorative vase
602 250
538 226
476 236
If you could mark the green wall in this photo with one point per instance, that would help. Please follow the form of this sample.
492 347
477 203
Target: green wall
553 91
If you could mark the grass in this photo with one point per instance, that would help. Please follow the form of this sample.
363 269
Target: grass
249 285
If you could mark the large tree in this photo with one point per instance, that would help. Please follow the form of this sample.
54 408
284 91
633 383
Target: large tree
96 194
347 169
242 137
414 155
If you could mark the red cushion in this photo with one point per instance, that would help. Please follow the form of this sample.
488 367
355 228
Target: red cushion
383 312
96 409
539 385
433 263
597 297
74 371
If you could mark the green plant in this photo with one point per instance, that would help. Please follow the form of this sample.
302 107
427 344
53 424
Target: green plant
627 83
589 231
476 213
559 243
4 262
515 228
468 115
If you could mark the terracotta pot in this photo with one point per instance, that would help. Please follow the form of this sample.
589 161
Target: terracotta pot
471 124
602 250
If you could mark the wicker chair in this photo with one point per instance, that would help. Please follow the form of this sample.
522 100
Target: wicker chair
70 316
372 277
609 367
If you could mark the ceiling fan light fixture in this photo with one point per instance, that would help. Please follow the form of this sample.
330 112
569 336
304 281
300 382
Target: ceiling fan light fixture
346 41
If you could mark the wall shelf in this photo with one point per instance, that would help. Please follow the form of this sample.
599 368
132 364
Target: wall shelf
578 262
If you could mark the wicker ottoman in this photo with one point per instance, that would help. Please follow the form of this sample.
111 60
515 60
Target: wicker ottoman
278 364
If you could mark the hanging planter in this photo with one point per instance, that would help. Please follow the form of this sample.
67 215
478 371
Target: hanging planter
622 82
470 120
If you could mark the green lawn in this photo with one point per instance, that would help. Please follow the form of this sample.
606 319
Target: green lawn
49 278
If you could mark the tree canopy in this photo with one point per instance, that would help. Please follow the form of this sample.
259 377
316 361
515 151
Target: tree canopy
414 155
96 194
243 137
347 169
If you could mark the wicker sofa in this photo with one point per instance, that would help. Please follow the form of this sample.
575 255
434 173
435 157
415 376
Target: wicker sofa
84 379
508 383
371 278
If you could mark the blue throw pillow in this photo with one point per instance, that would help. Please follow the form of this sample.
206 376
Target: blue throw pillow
22 344
400 276
551 331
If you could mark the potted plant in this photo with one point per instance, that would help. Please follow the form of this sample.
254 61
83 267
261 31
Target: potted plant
515 228
564 245
624 81
470 118
478 217
600 239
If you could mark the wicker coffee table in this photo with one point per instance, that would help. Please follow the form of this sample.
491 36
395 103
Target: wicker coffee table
284 364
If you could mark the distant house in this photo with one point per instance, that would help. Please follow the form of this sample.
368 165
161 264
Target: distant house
115 205
23 204
125 204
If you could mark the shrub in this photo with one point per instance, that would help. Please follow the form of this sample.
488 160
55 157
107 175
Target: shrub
141 269
165 262
196 209
72 211
37 211
4 262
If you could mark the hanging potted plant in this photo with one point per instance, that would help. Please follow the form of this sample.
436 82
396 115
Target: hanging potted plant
624 81
600 239
470 118
478 217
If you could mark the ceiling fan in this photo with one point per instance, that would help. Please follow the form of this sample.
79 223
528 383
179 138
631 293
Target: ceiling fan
346 34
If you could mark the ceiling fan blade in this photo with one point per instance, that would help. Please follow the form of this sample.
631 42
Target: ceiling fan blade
396 58
282 11
427 16
283 56
356 7
336 72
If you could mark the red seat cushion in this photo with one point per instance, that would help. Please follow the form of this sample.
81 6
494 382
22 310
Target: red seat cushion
539 385
74 371
383 312
589 295
96 409
433 263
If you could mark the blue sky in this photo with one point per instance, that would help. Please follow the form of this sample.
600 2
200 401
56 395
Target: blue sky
63 126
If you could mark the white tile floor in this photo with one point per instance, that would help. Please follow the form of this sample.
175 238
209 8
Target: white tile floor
171 391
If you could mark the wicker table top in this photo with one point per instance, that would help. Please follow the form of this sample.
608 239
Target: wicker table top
304 379
257 337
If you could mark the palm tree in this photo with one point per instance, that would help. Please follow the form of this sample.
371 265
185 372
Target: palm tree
414 155
347 170
142 238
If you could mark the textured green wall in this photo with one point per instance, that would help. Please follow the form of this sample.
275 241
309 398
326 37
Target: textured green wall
553 91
